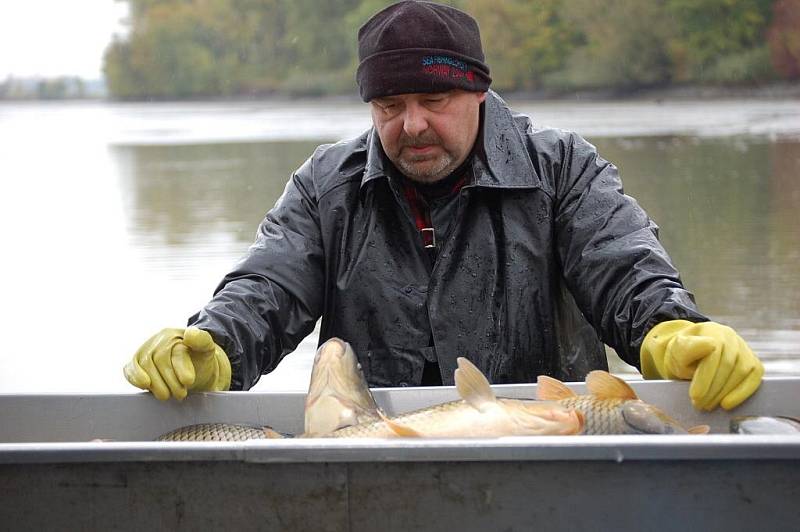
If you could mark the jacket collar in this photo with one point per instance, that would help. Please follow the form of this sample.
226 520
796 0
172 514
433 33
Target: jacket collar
505 162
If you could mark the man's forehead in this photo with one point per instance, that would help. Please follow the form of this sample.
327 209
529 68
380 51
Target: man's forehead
414 95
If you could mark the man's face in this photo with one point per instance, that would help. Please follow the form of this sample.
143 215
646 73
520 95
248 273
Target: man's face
427 136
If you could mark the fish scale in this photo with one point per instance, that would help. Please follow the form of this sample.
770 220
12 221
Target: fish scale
601 416
220 432
611 407
417 418
500 417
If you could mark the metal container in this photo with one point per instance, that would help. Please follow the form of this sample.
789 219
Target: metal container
52 475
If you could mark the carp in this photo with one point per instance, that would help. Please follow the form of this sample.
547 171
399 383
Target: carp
478 414
612 407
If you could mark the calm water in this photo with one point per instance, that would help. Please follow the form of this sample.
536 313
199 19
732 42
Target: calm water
118 220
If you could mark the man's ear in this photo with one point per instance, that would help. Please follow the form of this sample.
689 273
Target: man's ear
481 97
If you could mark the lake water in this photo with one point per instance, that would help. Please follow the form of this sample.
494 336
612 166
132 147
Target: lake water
119 219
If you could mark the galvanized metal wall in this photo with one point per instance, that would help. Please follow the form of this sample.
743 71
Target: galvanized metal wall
725 495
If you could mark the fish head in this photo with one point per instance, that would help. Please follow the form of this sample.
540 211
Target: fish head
338 394
543 417
644 418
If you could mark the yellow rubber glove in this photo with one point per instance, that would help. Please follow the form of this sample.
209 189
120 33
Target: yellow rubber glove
723 369
176 361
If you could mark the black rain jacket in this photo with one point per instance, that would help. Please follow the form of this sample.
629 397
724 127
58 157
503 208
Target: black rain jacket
545 260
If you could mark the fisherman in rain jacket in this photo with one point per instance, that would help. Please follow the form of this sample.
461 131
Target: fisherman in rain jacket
453 227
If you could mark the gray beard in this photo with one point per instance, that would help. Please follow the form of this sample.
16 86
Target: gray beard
441 170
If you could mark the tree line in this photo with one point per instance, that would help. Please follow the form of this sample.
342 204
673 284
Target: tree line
249 48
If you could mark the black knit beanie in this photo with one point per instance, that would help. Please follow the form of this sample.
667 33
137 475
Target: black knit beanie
420 47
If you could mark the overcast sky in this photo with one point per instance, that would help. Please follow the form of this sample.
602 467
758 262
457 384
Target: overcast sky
57 37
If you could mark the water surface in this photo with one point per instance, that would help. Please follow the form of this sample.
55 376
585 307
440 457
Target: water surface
119 220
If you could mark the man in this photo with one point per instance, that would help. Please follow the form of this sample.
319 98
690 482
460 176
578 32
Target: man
453 227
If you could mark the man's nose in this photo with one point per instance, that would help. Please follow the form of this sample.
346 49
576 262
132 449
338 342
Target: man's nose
415 120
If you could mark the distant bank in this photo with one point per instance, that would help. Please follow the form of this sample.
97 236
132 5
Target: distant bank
74 88
777 90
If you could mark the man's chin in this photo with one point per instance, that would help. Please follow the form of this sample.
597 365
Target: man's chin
425 171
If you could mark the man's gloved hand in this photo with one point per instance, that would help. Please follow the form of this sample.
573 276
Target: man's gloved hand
723 369
176 361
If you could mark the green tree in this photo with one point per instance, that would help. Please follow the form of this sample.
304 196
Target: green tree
712 30
322 49
623 44
234 48
189 48
523 40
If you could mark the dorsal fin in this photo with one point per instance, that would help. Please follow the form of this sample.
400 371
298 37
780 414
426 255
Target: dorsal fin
604 385
699 429
472 385
400 430
550 389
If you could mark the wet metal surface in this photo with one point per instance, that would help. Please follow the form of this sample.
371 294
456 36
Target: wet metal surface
715 482
508 495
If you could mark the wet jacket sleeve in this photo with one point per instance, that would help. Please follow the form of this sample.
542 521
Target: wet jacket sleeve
273 297
618 272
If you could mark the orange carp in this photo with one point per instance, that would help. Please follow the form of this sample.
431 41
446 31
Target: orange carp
478 414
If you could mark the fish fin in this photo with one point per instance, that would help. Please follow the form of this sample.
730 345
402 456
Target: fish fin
550 389
699 429
399 429
472 385
604 385
271 433
580 423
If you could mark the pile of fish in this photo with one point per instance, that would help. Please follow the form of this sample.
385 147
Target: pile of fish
339 404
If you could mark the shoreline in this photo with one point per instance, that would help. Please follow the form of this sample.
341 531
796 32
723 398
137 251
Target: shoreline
772 91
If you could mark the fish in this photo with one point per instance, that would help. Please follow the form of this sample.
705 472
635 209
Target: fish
612 407
221 432
764 425
478 414
338 397
338 394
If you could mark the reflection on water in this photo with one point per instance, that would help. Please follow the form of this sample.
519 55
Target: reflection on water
726 207
727 211
728 215
190 203
220 188
112 243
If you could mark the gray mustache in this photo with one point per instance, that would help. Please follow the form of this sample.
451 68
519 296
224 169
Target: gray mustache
418 142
